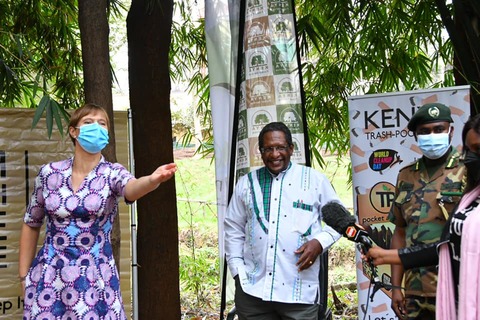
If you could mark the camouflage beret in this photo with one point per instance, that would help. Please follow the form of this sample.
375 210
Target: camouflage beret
430 112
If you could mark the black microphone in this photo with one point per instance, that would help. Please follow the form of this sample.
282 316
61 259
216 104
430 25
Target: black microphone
338 217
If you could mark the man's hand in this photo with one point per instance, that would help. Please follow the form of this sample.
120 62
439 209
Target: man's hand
398 303
308 254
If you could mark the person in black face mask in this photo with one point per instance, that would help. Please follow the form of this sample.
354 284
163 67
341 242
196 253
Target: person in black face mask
472 163
458 252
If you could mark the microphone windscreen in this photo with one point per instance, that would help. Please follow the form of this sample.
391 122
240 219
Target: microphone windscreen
337 216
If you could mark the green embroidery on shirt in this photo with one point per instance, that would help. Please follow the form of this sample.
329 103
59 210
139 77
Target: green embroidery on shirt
300 205
255 206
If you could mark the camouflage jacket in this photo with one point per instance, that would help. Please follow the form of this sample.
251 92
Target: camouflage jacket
422 205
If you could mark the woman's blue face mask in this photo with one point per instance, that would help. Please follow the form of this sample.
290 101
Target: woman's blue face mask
93 137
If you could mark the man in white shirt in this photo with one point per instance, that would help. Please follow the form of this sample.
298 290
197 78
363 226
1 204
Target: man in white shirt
274 234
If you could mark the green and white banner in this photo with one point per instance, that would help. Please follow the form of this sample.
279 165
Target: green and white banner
270 88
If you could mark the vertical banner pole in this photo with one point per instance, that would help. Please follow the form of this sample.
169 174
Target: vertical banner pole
133 224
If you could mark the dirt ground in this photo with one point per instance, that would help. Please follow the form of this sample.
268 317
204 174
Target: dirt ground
183 153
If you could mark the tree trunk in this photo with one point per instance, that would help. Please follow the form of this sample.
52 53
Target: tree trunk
94 32
463 27
149 37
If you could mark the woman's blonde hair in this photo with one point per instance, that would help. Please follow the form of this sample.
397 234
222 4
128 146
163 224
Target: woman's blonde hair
83 111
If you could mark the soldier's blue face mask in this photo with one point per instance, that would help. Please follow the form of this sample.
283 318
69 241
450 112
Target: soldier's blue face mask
434 145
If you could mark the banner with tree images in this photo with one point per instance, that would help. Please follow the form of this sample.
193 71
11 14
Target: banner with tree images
269 84
380 146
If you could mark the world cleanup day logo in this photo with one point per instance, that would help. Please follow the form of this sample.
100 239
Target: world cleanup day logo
383 159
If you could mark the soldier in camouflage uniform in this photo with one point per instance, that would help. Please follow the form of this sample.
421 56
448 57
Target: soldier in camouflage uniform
426 193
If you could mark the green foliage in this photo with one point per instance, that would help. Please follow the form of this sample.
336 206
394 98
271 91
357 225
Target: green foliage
39 54
361 47
188 56
53 112
342 262
40 57
199 262
199 279
182 119
196 194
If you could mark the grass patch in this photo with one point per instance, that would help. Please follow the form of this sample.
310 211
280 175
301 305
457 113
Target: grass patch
196 194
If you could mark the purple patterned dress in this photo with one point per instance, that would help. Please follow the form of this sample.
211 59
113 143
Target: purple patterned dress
74 275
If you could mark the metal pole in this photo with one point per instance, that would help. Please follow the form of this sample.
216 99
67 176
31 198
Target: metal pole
133 221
